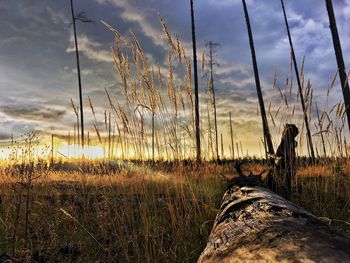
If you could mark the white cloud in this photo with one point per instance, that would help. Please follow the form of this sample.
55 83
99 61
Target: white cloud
131 13
91 49
56 16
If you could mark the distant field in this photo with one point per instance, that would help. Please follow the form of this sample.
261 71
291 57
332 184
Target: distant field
137 215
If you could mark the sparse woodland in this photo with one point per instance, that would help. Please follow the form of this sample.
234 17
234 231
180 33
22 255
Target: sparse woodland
155 191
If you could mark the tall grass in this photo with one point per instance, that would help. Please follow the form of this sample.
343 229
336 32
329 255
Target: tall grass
135 215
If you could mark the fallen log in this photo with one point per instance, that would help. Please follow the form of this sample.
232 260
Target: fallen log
256 225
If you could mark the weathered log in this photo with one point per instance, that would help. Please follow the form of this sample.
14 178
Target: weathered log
256 225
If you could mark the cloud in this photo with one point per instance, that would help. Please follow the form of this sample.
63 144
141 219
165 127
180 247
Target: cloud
32 112
57 17
132 12
90 48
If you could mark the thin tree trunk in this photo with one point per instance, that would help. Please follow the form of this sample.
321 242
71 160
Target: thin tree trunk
196 108
214 100
153 136
210 139
231 133
320 126
88 146
222 146
308 133
266 130
52 151
78 130
74 141
109 136
113 143
68 144
79 76
340 59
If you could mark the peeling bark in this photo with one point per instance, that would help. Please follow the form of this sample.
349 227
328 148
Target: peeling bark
256 225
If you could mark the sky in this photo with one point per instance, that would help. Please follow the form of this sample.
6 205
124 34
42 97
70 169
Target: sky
38 69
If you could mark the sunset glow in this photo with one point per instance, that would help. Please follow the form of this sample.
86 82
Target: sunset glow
75 152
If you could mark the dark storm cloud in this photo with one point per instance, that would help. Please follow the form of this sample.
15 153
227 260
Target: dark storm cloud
32 112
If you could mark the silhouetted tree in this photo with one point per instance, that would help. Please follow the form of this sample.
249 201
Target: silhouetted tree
196 101
339 56
81 17
308 133
267 134
211 46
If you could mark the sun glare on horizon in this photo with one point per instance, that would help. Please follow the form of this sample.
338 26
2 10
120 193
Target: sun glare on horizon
76 151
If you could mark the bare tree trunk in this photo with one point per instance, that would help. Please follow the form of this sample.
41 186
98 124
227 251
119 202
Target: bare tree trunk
52 152
109 136
88 146
222 146
339 56
113 143
79 76
255 224
211 45
196 108
78 130
231 132
68 144
74 141
153 135
321 132
308 133
266 130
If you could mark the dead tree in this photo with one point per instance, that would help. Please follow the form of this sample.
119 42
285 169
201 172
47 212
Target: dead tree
267 134
340 59
256 225
231 133
196 98
306 119
80 17
79 76
320 125
212 46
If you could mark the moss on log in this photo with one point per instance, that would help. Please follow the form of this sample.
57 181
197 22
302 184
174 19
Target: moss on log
256 225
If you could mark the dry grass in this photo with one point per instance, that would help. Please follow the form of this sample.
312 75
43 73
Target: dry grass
132 216
143 214
324 189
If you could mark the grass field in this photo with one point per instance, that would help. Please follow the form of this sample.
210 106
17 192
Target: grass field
136 214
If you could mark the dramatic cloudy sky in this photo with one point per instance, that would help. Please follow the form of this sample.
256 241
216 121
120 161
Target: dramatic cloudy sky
37 63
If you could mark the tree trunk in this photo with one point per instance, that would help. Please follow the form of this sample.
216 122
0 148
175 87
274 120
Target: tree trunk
255 224
267 134
306 119
79 77
196 99
231 133
211 45
340 59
